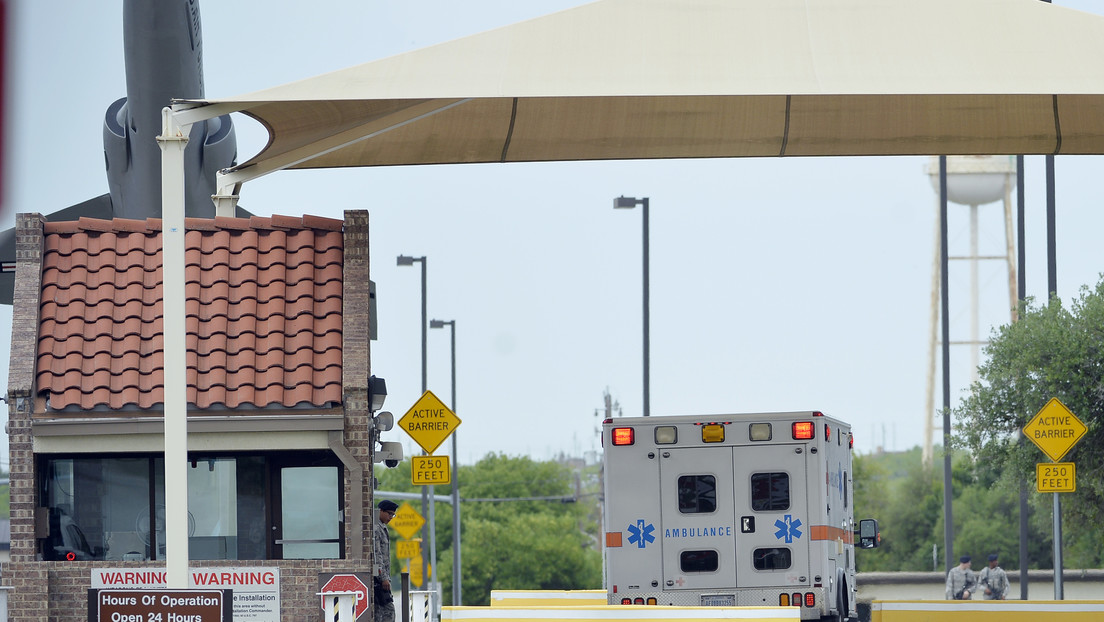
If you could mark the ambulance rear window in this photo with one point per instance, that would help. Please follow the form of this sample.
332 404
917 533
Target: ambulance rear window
699 561
770 492
697 494
775 558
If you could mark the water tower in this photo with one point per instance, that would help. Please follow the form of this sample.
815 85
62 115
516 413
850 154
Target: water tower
971 181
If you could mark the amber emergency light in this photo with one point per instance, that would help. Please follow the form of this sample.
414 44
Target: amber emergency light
713 433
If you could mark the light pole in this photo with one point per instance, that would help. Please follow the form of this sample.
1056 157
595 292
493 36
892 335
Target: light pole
456 575
427 493
623 202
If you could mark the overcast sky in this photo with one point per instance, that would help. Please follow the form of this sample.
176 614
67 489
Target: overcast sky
776 284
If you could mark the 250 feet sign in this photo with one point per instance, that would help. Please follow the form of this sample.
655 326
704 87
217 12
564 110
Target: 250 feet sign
159 606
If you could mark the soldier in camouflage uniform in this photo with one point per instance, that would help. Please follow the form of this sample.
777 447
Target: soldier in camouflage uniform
961 580
384 609
993 580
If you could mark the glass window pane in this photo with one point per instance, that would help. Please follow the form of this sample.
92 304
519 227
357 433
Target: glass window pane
771 559
311 514
697 494
126 486
699 561
770 492
212 509
94 506
253 529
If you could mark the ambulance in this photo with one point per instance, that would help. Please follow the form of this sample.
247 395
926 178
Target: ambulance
732 510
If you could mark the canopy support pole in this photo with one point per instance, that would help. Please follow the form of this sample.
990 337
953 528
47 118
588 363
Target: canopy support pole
173 140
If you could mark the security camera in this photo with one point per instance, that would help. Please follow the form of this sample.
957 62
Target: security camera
389 453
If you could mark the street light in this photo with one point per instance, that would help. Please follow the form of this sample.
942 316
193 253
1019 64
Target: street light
427 493
456 591
406 260
624 202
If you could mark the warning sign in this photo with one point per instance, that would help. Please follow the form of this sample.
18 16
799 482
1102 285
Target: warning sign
1056 477
1055 429
407 521
408 549
429 422
429 470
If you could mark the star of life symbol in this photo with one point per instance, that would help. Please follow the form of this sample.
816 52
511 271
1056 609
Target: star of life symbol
641 534
787 528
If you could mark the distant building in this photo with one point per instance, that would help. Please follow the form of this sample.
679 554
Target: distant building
278 364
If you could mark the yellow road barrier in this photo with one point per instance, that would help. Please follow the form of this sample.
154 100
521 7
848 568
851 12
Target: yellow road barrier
618 613
986 610
546 598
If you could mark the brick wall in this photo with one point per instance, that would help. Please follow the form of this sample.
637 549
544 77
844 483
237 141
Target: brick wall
355 368
24 347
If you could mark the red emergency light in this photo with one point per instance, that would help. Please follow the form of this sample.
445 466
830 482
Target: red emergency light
622 436
803 430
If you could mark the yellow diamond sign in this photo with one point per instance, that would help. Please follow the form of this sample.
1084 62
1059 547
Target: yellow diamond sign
1055 429
429 422
407 521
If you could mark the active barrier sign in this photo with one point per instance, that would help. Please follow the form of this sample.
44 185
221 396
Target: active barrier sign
159 606
1054 429
429 422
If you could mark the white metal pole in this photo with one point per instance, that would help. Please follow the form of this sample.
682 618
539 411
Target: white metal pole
173 140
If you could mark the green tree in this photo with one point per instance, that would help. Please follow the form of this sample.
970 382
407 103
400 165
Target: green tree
522 527
1049 352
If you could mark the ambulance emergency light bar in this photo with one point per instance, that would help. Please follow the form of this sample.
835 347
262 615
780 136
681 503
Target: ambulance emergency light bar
714 432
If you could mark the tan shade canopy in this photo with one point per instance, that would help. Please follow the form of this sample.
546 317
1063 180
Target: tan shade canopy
628 79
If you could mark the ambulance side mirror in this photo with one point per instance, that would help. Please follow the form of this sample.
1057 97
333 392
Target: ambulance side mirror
869 536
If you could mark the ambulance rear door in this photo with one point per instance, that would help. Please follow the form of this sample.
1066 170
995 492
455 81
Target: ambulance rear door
772 516
698 524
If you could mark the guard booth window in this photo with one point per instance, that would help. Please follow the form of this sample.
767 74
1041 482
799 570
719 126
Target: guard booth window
697 494
770 492
113 507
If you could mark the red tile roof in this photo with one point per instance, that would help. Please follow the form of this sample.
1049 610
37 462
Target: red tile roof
263 313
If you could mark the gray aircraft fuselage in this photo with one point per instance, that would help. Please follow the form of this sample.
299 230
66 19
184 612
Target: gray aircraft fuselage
163 52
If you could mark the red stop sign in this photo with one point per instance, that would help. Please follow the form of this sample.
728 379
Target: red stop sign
348 583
